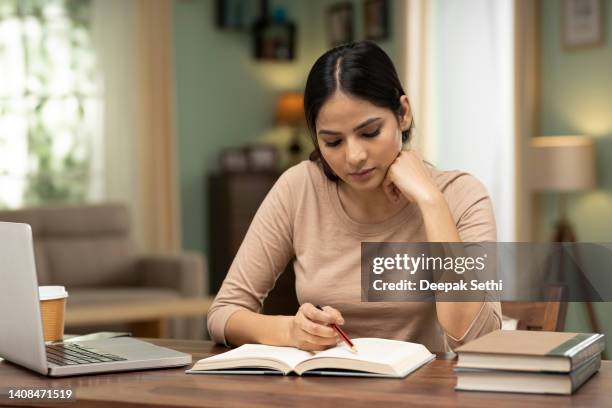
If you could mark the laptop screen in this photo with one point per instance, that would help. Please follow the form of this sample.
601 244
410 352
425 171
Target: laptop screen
21 334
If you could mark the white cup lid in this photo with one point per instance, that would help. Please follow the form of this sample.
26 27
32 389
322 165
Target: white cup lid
52 292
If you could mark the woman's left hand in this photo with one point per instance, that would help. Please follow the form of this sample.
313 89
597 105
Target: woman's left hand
408 175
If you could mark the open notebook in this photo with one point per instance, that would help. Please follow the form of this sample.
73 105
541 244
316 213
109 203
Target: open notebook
374 358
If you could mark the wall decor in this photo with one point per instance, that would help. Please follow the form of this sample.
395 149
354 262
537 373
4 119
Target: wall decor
274 41
237 14
376 19
234 159
262 158
274 35
582 24
340 26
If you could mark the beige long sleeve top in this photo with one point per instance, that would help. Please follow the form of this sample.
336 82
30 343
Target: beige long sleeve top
302 219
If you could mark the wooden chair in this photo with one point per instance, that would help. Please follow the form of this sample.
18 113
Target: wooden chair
544 316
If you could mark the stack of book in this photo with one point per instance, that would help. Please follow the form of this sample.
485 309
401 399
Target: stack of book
529 361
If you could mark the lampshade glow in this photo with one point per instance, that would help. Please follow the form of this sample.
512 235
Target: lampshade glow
290 109
562 163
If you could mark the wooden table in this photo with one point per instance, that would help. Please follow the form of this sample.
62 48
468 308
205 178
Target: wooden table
145 318
430 386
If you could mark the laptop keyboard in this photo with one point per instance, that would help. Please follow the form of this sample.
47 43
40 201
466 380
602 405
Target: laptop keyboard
73 354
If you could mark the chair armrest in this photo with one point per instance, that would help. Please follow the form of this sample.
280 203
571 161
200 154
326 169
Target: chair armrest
185 272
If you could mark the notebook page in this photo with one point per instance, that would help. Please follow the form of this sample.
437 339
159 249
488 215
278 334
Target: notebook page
375 350
288 355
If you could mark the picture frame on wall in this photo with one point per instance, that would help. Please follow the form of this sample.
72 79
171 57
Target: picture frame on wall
340 24
582 24
239 15
274 41
376 19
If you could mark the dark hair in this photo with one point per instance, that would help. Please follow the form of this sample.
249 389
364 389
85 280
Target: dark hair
360 69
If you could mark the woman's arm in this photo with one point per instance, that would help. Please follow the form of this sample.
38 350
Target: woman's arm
263 255
234 316
454 317
245 326
409 176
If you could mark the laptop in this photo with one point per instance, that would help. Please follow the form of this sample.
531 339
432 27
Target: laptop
21 332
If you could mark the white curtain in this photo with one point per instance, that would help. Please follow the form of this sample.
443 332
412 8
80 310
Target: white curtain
134 43
114 33
466 93
418 75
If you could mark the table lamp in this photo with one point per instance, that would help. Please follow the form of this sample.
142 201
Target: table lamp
290 112
563 164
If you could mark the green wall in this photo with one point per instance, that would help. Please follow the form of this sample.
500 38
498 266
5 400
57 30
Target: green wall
225 98
576 98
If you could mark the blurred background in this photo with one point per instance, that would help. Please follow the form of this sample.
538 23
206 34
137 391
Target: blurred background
138 137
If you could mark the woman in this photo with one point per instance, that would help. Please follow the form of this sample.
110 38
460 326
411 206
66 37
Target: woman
359 185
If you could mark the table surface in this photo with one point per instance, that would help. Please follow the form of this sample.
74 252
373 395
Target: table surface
430 386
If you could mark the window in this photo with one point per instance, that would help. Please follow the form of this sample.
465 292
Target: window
50 103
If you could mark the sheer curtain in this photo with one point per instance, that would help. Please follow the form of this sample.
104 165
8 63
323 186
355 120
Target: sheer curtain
133 40
418 75
460 70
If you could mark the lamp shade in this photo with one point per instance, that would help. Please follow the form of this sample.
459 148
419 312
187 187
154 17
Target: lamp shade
290 109
562 163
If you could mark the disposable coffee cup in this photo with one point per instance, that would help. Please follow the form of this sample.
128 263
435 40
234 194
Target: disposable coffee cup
53 311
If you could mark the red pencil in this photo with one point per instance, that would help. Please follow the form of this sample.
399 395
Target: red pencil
343 335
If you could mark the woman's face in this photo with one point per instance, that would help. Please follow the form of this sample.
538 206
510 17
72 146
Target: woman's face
359 140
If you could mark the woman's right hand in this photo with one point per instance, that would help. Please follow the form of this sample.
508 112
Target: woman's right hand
309 328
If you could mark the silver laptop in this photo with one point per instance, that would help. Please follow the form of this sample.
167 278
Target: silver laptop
21 333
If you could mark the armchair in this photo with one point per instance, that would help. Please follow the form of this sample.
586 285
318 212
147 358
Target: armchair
88 249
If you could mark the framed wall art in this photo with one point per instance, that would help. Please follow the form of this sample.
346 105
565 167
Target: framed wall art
376 19
340 25
582 24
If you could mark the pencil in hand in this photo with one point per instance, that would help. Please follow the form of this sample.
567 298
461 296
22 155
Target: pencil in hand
342 335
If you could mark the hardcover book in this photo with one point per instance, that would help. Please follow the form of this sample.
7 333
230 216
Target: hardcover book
374 358
522 350
474 379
